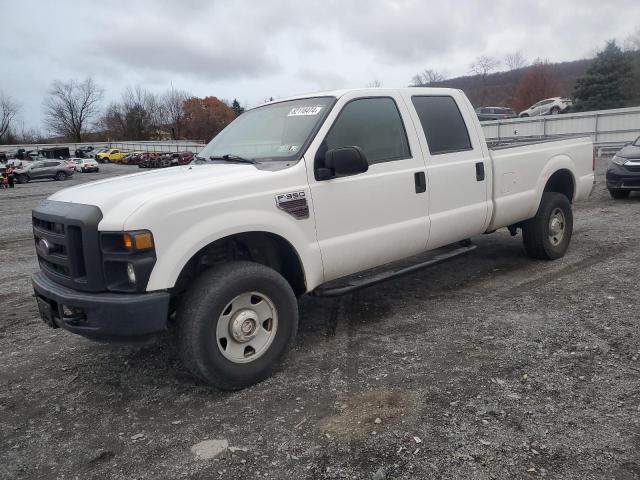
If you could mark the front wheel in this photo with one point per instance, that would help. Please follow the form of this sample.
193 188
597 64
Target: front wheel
61 176
236 323
23 178
547 235
618 194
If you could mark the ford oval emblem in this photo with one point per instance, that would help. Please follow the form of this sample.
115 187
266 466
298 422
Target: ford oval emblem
43 246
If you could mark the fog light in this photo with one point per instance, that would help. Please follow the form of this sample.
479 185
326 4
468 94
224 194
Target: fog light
131 274
67 311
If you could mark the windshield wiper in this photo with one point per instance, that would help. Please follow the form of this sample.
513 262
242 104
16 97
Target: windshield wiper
233 158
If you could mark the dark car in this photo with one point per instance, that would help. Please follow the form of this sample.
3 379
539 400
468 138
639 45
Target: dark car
623 171
181 158
53 169
494 113
55 152
84 152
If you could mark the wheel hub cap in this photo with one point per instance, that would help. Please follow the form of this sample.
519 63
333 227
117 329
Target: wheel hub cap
244 325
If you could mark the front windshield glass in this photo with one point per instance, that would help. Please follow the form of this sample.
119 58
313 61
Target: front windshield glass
279 131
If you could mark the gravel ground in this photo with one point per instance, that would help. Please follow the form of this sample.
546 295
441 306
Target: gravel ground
489 366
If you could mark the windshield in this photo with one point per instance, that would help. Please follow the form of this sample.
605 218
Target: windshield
278 131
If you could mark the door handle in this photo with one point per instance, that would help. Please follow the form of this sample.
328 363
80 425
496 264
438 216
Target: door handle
421 182
480 171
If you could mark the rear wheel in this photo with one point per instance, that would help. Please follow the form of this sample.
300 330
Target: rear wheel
547 235
236 323
616 193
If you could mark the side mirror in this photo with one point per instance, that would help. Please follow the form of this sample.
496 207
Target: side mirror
341 162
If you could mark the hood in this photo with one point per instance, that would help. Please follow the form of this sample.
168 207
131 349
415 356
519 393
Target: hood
127 193
630 151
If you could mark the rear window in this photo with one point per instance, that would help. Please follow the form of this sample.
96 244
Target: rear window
443 125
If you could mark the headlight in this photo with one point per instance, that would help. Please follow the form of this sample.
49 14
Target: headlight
127 259
619 160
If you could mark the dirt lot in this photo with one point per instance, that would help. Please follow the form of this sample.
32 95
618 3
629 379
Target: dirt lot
490 366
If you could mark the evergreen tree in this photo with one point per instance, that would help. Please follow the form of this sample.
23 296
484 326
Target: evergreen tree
235 106
601 87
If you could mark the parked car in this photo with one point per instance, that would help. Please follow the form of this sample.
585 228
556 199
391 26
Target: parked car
623 171
113 155
97 152
220 252
132 158
85 165
149 160
54 169
549 106
180 158
55 152
84 152
494 113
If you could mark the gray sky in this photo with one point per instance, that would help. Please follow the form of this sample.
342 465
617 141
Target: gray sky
251 50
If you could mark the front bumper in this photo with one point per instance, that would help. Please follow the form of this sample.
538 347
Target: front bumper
101 316
620 178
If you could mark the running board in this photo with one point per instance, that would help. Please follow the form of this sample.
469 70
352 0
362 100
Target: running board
345 285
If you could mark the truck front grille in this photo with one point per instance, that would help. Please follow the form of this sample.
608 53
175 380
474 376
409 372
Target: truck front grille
67 244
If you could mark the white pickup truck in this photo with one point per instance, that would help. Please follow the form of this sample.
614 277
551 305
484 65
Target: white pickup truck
294 197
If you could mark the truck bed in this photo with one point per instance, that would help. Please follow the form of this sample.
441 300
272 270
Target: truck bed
520 171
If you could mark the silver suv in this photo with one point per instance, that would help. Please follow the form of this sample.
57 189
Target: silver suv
53 169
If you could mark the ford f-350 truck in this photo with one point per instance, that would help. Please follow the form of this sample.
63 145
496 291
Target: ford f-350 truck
320 194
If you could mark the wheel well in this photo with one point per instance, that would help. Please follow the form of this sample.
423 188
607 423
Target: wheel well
561 182
261 247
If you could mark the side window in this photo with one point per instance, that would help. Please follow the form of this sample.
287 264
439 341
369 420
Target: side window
443 125
51 164
374 125
116 151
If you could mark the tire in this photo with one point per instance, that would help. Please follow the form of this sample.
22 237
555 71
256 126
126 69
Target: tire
554 111
619 194
61 176
524 115
23 178
201 324
547 235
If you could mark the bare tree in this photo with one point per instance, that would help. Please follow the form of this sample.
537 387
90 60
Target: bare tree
8 111
139 115
515 60
375 83
71 106
632 42
173 110
482 66
427 77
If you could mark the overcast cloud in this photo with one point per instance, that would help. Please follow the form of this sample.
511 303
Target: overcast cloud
252 50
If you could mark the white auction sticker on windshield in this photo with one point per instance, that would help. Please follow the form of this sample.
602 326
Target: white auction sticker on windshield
297 111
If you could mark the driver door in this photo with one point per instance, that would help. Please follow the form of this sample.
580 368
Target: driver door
37 170
378 216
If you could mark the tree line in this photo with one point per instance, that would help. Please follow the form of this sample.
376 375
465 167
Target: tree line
74 111
611 80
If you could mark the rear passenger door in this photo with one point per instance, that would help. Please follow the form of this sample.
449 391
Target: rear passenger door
378 216
458 170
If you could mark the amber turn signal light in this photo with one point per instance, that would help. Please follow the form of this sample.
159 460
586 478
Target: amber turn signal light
138 241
